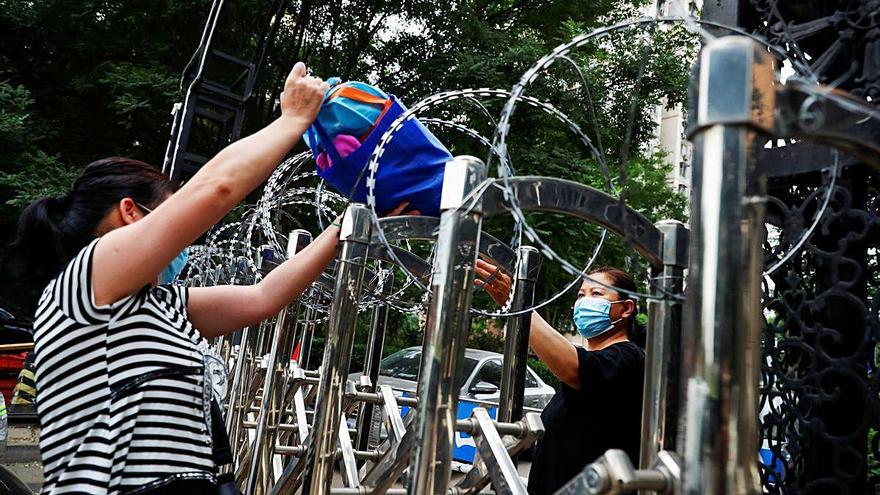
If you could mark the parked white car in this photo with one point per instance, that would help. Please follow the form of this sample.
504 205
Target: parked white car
481 377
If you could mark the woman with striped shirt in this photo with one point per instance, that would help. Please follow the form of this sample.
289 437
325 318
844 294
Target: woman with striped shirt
123 369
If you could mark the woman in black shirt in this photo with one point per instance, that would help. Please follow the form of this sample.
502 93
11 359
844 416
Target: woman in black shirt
599 405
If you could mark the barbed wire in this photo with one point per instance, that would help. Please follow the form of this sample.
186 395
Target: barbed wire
235 243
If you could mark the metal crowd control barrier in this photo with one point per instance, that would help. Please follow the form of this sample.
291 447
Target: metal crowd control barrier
274 440
381 474
699 427
250 410
739 107
447 327
720 366
516 336
321 455
247 372
246 381
722 340
284 453
662 246
375 344
281 347
663 347
428 437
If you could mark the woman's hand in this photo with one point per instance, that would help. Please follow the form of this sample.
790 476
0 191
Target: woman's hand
493 280
550 346
400 208
303 95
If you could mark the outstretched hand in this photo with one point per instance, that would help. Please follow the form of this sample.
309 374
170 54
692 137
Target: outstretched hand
303 94
400 209
493 280
393 213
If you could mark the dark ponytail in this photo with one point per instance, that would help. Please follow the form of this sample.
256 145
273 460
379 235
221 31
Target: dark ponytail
51 230
37 243
635 331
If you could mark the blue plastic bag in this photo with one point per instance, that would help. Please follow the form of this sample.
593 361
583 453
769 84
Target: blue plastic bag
351 108
410 169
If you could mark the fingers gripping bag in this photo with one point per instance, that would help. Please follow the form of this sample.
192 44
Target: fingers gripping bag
411 164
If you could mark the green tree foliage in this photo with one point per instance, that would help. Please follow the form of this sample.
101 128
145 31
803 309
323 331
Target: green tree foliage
28 172
626 75
82 80
103 75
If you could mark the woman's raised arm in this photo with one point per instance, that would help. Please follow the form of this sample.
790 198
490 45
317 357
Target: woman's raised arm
224 308
132 256
221 309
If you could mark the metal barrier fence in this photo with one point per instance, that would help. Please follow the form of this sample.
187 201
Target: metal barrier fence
700 432
715 362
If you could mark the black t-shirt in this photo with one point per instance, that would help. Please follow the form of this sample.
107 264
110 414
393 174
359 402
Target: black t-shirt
580 425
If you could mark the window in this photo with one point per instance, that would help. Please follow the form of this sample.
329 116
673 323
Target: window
402 364
405 364
489 373
467 369
531 382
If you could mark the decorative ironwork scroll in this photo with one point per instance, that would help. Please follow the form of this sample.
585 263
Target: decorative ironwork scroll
820 396
820 404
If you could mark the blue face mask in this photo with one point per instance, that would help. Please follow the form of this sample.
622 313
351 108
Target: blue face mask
170 272
592 316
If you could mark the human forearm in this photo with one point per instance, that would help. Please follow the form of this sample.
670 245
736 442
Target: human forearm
554 350
242 166
221 309
291 278
551 347
288 281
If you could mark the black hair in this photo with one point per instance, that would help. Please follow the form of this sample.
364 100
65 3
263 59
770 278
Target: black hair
635 331
51 230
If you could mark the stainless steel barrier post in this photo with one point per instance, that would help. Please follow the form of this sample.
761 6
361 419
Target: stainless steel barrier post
247 364
321 456
661 395
268 259
305 348
516 337
264 440
296 242
721 337
447 327
235 413
375 344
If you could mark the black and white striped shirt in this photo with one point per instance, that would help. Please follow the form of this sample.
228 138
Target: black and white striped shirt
121 392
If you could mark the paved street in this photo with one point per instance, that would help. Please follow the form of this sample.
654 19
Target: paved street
22 458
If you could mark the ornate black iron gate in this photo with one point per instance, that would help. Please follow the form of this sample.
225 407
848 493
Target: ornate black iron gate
820 384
